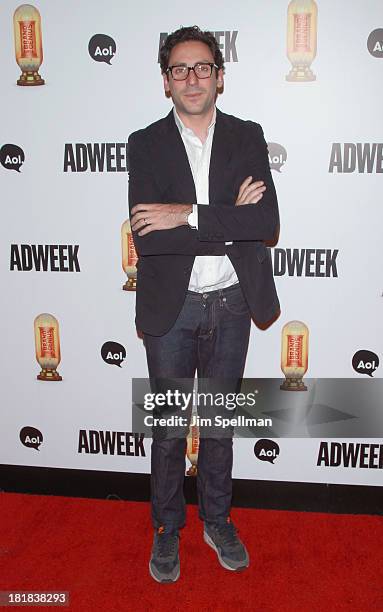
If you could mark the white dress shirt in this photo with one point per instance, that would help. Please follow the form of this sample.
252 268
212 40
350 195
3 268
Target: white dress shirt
210 272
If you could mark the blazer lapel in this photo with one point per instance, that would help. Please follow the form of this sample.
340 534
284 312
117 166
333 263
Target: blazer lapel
179 163
221 152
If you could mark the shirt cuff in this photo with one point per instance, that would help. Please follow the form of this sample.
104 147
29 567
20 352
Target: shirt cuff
193 217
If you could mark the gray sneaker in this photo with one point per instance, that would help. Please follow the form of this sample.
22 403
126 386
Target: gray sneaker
223 538
164 564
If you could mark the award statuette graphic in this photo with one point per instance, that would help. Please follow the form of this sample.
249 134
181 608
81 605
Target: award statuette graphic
301 39
192 448
28 44
294 358
47 341
129 257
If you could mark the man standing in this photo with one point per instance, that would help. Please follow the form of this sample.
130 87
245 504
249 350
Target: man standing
202 205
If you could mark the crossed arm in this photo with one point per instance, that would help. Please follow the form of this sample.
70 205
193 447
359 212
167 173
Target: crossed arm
163 229
151 217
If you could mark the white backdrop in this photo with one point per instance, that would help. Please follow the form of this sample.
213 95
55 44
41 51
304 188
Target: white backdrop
85 101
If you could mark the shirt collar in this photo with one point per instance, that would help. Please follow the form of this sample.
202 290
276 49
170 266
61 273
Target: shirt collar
182 128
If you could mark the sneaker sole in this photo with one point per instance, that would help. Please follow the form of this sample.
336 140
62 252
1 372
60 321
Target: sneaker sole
210 542
165 580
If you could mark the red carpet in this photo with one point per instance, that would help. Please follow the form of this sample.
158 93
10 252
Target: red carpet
99 551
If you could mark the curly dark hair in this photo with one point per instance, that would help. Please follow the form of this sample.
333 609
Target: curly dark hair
186 34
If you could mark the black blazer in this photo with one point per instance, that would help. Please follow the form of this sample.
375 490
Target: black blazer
159 172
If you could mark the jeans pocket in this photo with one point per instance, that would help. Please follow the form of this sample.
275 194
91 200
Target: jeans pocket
236 305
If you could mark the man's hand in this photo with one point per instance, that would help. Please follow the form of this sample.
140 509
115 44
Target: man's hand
250 193
150 217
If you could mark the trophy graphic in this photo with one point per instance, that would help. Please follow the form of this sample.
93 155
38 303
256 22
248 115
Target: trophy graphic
301 39
47 342
28 44
294 357
129 257
192 447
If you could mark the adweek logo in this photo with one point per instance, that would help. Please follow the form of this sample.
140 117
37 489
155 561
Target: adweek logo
350 455
11 157
111 443
113 353
96 157
102 48
365 362
31 437
305 262
375 43
226 39
44 258
277 156
362 157
266 450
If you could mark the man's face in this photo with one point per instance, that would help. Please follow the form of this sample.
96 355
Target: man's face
193 96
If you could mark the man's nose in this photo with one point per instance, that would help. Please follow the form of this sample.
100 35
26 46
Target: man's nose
192 79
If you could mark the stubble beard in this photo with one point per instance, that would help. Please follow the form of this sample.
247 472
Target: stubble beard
202 108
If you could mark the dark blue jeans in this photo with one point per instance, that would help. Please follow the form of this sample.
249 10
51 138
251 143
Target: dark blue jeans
210 336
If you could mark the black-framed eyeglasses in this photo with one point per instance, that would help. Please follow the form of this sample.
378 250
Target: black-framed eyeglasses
202 70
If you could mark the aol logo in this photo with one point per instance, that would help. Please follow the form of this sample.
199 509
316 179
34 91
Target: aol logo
375 43
113 353
11 157
277 156
266 450
365 362
104 51
31 437
115 356
268 453
31 440
16 159
367 365
102 48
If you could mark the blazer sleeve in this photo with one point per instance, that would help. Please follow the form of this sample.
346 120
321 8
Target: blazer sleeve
143 188
251 221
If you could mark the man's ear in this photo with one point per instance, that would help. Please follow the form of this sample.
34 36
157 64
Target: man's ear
166 83
220 80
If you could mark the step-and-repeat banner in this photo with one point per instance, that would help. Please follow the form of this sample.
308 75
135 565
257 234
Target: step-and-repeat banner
77 79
